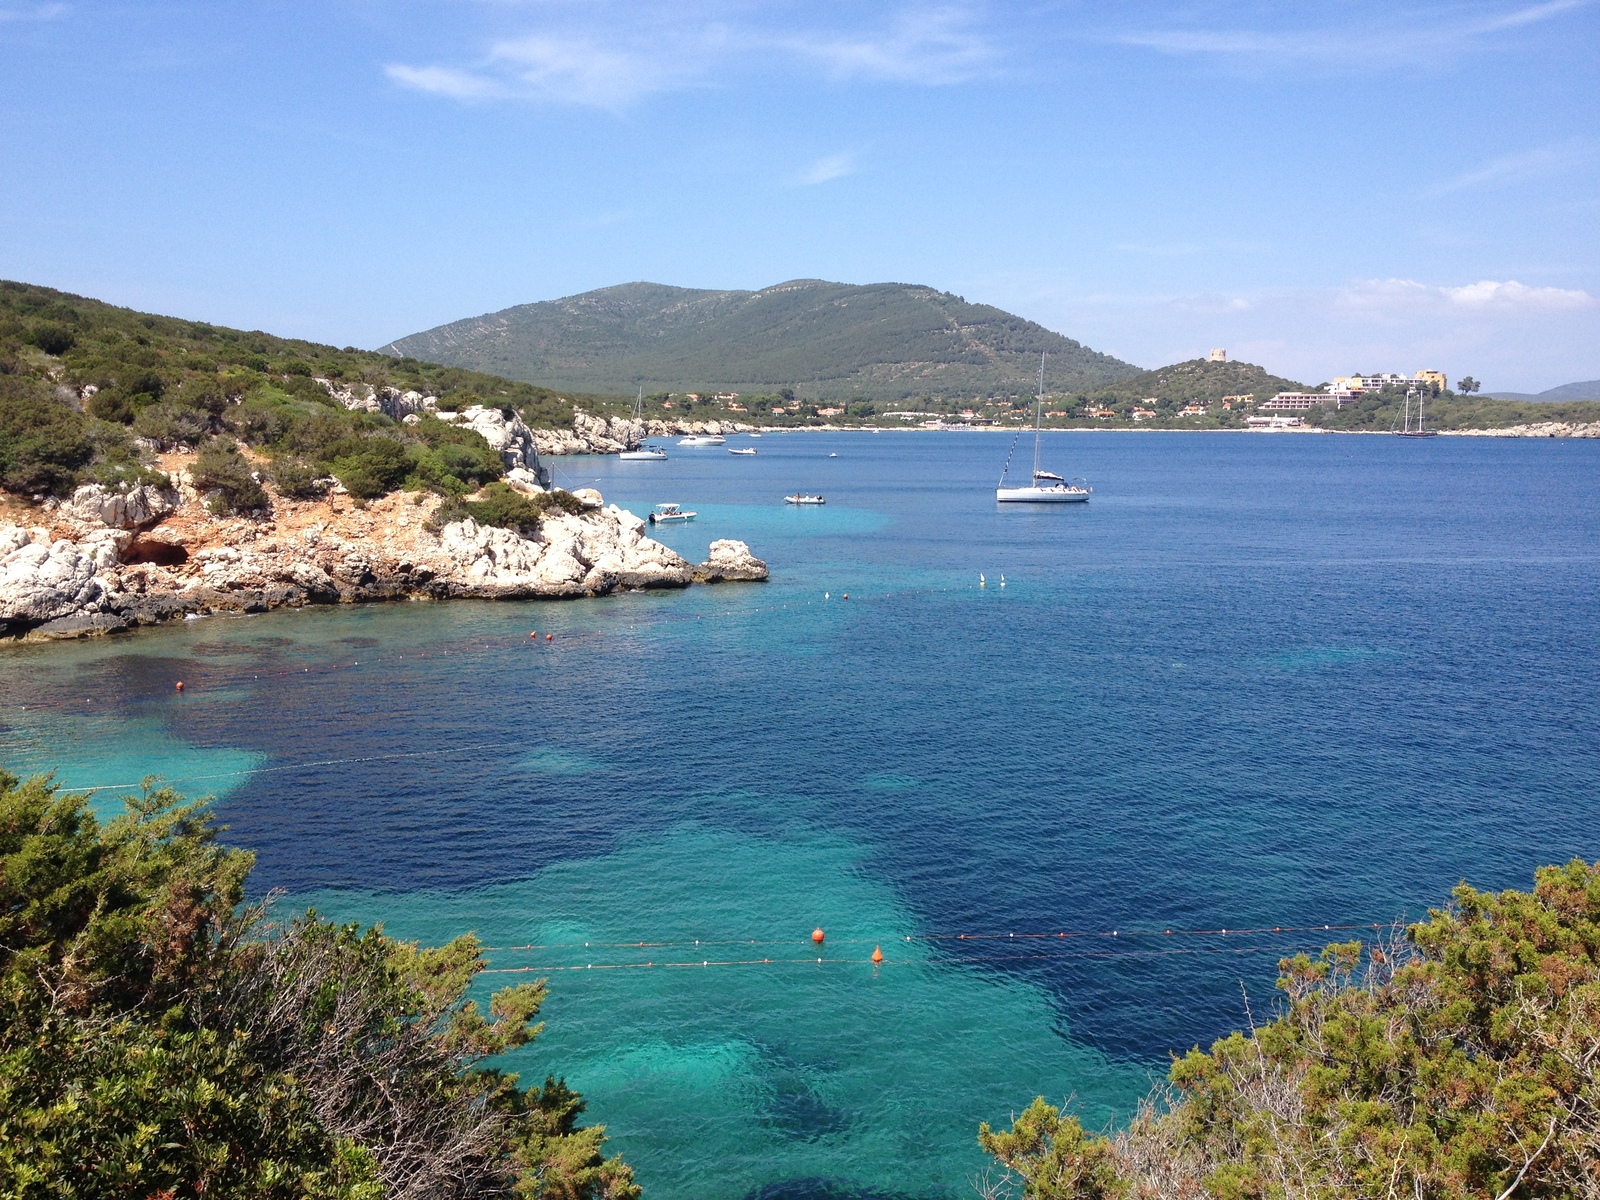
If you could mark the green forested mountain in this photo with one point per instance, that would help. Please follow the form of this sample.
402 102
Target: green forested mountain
1195 382
826 341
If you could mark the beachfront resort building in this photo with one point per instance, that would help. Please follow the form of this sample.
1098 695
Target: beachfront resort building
1354 385
1295 401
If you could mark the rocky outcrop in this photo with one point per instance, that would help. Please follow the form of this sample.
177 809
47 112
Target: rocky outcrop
42 580
609 435
95 570
1541 429
391 402
728 562
137 508
508 435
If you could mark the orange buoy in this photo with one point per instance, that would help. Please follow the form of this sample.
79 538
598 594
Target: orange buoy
180 685
847 595
877 954
817 935
534 634
549 637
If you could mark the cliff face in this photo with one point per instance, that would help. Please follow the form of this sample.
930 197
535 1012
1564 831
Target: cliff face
107 561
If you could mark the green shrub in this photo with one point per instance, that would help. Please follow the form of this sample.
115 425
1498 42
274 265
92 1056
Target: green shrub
299 479
221 474
43 443
170 425
260 420
53 338
112 404
160 1037
203 393
372 467
1457 1063
501 504
142 383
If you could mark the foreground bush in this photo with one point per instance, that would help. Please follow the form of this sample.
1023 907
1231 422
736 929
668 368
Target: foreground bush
501 504
160 1038
43 443
227 481
1460 1062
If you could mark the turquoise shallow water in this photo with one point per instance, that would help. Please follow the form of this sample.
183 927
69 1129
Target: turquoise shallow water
1258 682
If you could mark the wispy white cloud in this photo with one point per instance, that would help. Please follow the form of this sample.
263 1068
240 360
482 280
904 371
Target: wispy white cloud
445 81
1346 48
38 12
1512 294
1525 164
935 47
601 62
829 167
1409 296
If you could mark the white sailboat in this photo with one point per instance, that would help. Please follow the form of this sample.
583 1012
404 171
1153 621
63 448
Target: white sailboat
1417 429
642 453
1045 487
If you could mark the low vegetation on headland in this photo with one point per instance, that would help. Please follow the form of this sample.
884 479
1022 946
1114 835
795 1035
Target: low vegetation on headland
162 1037
91 393
1459 1062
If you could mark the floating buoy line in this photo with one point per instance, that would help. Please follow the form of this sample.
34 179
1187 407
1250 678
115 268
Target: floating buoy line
877 959
1067 946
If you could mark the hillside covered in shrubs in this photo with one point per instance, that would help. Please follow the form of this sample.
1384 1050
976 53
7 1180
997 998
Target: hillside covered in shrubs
160 1037
1458 1062
91 393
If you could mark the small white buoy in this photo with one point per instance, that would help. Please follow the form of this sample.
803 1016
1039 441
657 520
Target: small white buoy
1002 581
827 595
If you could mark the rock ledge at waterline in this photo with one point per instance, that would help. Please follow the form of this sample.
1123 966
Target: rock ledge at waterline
105 561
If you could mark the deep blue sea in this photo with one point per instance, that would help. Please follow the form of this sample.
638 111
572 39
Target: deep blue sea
1258 683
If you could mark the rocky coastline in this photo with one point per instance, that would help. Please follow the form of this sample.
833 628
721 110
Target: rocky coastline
107 561
1541 429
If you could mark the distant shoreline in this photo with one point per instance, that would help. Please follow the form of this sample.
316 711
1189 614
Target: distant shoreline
1545 429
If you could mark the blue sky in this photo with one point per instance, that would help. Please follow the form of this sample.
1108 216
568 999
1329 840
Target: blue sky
1318 187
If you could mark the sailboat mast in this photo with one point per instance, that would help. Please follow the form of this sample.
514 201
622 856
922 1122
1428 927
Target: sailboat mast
1038 419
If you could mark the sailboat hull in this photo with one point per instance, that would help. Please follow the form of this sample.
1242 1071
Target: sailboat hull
1039 495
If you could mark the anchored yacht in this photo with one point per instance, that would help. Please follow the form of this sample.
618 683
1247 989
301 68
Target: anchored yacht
1044 487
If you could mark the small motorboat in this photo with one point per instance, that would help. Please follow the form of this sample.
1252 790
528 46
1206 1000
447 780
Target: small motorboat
702 439
666 513
745 451
832 454
800 498
644 454
755 435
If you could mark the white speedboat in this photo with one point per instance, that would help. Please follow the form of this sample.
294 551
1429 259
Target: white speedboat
1044 487
746 451
667 513
801 498
702 439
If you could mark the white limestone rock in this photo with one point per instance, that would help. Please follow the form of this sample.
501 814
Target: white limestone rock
509 436
524 480
41 580
137 508
730 561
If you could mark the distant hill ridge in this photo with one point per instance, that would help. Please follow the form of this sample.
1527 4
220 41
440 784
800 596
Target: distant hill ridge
827 341
1588 390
